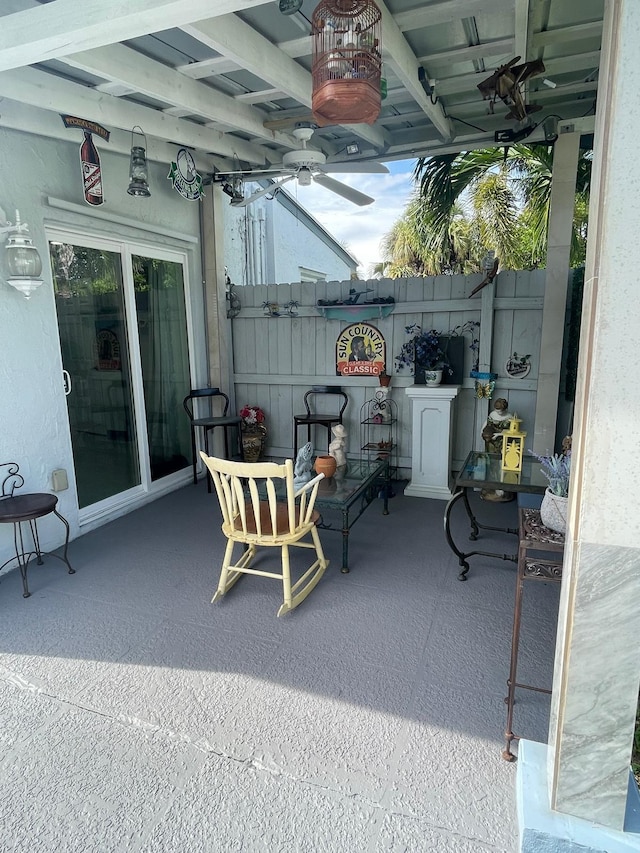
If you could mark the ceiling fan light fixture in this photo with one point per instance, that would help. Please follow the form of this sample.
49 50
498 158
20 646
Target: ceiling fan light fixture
304 177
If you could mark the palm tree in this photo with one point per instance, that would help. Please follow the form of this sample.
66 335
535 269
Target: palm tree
409 251
509 191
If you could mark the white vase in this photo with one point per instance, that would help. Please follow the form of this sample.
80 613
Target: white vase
553 511
432 377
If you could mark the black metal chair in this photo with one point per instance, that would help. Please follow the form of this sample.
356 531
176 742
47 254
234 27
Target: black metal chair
209 422
311 417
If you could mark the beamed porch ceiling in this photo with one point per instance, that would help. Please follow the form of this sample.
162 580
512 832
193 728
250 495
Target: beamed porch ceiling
231 78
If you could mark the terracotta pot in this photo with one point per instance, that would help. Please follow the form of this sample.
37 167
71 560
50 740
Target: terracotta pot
385 380
325 465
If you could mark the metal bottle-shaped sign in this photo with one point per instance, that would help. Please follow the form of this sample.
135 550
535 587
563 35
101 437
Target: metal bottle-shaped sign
89 157
91 172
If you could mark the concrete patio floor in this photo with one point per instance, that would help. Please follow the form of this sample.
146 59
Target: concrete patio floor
137 716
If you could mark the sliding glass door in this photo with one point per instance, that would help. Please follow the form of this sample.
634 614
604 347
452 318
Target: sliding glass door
123 334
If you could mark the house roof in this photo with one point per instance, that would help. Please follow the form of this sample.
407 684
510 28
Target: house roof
231 79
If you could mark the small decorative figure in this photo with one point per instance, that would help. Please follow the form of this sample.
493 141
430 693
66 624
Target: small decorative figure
302 468
337 446
497 422
492 433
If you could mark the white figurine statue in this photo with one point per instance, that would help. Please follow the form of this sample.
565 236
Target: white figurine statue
337 446
302 468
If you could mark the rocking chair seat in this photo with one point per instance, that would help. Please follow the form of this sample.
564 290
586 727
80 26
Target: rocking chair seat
282 519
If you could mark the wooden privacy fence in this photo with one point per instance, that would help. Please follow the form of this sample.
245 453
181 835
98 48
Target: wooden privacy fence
277 358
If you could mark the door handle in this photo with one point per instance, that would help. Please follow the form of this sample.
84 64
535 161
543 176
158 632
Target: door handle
66 378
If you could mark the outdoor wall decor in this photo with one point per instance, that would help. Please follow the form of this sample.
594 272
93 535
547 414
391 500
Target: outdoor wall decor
485 383
184 176
272 309
518 366
89 157
360 351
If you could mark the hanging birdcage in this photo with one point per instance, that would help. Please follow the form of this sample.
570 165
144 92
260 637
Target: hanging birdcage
347 61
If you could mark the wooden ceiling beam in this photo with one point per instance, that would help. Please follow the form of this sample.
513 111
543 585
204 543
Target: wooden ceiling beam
32 86
120 64
46 32
404 63
447 12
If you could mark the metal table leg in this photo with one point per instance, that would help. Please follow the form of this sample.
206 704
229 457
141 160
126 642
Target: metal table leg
475 530
345 541
24 557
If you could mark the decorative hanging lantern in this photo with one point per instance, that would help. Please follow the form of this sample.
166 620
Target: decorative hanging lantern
513 446
347 61
138 175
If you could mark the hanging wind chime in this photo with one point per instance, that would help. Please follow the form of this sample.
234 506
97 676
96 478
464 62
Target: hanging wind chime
347 62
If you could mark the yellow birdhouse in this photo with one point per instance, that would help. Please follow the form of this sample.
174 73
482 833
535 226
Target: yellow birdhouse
513 446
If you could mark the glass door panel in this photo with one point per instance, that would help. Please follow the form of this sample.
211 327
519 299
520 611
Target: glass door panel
95 351
164 356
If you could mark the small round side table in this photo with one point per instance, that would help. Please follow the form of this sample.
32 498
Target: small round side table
29 508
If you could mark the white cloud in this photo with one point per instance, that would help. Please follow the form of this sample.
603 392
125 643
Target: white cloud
361 229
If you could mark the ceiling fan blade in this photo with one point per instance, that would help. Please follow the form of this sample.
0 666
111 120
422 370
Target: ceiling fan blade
342 189
358 167
272 188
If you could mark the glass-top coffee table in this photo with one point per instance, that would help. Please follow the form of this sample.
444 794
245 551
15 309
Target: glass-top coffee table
484 471
350 491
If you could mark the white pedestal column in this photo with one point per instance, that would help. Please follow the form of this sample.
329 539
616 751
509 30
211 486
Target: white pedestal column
431 420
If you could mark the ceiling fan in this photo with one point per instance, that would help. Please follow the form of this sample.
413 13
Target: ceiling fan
304 164
505 84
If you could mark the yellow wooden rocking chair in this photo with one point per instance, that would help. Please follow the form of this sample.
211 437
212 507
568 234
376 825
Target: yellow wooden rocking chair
253 516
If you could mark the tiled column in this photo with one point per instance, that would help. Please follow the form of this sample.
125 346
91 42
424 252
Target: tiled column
597 668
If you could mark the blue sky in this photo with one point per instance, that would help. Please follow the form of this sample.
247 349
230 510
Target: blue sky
361 229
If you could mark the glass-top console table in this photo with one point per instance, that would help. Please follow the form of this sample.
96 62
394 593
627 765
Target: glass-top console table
484 471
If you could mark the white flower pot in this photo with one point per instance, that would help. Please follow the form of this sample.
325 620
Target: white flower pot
553 511
432 377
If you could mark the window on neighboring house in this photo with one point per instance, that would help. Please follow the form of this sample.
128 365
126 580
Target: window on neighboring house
307 274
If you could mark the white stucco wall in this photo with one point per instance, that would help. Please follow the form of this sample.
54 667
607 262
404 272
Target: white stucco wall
34 426
287 243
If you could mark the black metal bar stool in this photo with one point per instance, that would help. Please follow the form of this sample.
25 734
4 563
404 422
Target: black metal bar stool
209 422
311 417
16 509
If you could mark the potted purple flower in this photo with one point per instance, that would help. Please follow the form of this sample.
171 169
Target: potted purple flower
424 353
